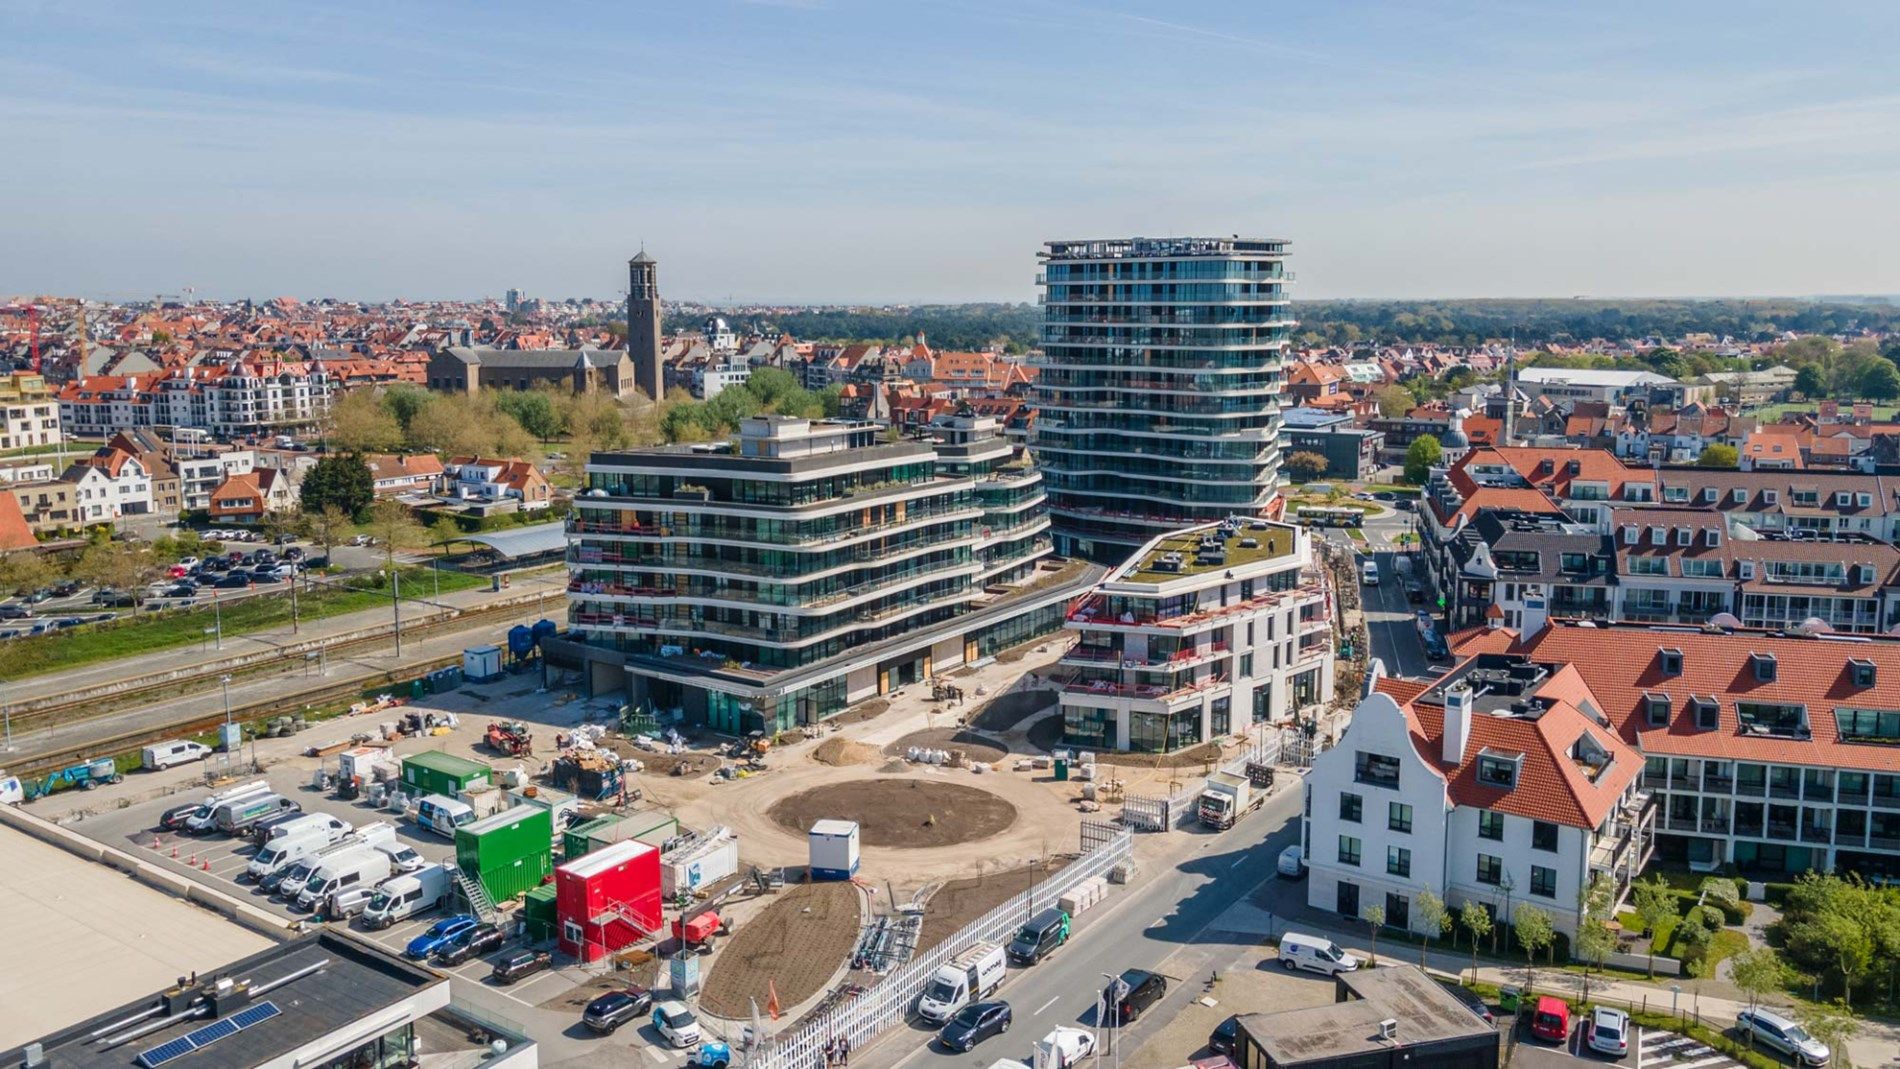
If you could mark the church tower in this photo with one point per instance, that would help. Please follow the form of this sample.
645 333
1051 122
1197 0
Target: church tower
643 324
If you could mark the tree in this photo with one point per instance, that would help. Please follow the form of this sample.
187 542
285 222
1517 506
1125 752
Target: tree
403 402
1810 381
1305 467
1837 940
1476 920
1759 971
341 480
1375 919
1719 455
534 411
444 530
393 525
358 423
1534 932
1880 381
1424 452
1655 902
1833 1023
1431 918
1394 401
328 526
25 571
123 566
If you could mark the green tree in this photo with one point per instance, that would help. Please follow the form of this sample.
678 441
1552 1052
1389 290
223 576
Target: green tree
341 480
533 410
1594 938
1837 941
1719 455
1424 452
358 423
1304 467
328 526
1431 918
1535 933
1759 971
25 571
1394 401
1476 920
1810 381
1374 917
403 401
123 566
394 527
1655 902
1880 381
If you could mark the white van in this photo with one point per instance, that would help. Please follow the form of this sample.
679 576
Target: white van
966 978
1369 573
402 897
205 818
284 850
333 828
1314 953
163 755
358 868
442 814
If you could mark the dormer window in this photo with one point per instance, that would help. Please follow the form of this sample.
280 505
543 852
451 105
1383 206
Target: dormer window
1738 495
1498 770
1843 498
1864 574
1745 569
1684 536
1656 709
1658 536
1713 536
1709 494
1632 534
1764 665
1670 661
1861 671
1864 500
1769 497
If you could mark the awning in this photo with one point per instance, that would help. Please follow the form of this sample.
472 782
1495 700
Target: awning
518 542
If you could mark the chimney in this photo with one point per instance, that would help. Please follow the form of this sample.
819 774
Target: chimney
1457 723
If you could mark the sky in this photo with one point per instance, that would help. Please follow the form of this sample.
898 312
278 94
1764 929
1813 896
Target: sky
898 151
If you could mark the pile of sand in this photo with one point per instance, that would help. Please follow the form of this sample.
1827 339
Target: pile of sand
841 751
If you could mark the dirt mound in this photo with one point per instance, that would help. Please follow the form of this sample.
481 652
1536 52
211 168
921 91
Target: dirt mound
859 713
842 751
975 747
795 946
1046 734
689 764
904 813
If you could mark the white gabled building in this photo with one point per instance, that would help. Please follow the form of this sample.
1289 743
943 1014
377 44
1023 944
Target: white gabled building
1501 783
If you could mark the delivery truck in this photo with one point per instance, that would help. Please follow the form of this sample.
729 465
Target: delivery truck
442 815
364 866
202 821
966 978
402 897
235 818
161 755
1226 798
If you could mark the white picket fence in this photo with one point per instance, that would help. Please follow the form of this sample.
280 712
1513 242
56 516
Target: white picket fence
890 1002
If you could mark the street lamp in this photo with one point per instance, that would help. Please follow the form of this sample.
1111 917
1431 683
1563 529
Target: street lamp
1508 884
226 682
1113 991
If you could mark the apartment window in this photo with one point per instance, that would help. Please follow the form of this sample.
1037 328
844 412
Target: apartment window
1745 569
1738 495
1490 825
1843 498
1862 672
1656 708
1490 869
1377 770
1348 850
1868 724
1713 537
1351 807
1631 534
1498 770
1543 835
1770 497
1684 536
1543 882
1398 861
1702 569
1398 816
1670 661
1246 666
1709 494
1708 714
1764 664
1767 718
1864 500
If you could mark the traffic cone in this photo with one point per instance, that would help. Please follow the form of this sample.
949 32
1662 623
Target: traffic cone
207 865
174 852
192 862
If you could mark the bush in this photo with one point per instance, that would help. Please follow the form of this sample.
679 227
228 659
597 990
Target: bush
1720 891
1776 894
1735 913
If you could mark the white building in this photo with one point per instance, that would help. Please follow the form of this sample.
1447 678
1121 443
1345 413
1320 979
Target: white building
1198 635
1590 384
108 485
1498 784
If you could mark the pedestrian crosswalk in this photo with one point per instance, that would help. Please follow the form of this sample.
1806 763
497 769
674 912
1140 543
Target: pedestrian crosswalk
1656 1049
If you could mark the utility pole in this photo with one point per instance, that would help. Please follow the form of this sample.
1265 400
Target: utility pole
226 682
395 606
217 610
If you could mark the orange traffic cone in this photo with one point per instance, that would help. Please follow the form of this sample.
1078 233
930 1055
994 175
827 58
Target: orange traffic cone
174 853
207 865
192 862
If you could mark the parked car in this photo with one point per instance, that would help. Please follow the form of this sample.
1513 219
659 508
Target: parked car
1608 1031
294 553
975 1023
1133 992
234 581
676 1024
516 964
1471 1000
1292 863
42 594
607 1013
15 612
1314 953
1045 931
1772 1030
174 818
285 539
439 934
112 597
68 588
1414 593
472 943
1550 1021
1225 1038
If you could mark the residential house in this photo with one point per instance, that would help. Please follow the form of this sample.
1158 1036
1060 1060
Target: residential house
251 496
410 473
478 479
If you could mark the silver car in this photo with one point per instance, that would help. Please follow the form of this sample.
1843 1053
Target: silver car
1770 1029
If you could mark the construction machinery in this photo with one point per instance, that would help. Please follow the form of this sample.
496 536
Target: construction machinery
85 775
509 737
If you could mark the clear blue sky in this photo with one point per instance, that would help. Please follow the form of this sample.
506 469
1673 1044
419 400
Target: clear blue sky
889 150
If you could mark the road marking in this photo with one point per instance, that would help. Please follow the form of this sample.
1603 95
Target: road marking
1239 861
654 1053
1046 1005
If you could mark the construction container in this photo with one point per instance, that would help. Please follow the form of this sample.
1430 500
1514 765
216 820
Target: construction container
699 862
834 849
560 805
608 899
654 828
508 852
435 772
539 913
481 663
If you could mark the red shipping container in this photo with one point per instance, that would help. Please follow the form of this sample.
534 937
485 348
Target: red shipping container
607 899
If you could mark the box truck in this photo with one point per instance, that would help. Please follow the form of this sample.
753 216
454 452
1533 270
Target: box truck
204 819
1227 797
964 979
402 897
362 867
163 755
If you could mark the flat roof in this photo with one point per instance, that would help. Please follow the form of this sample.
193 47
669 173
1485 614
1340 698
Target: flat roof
1425 1011
327 983
834 827
1269 540
595 862
80 937
517 542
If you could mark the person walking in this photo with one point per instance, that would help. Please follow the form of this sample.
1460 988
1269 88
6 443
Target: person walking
844 1051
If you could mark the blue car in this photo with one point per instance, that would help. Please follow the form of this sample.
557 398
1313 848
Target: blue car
439 936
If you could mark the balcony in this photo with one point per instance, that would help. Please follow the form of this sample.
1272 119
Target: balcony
1655 782
1784 790
1811 834
1676 823
1717 784
1784 832
1886 801
1102 688
1877 842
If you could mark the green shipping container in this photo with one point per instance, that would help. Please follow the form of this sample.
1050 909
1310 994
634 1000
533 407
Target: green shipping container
436 772
652 828
538 912
509 852
577 840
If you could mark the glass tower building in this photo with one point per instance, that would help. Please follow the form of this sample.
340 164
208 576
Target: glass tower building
1158 393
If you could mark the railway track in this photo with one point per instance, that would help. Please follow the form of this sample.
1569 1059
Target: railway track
88 708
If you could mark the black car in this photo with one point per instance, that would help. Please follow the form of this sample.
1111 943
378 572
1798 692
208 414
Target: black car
975 1023
68 588
1471 1000
1414 593
1137 990
293 553
285 539
476 941
234 581
214 564
174 818
112 597
615 1008
516 964
1225 1038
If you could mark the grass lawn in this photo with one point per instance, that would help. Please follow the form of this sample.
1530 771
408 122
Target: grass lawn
73 447
1773 413
1356 535
161 631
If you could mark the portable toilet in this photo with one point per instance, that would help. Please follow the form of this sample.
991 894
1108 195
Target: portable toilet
508 852
481 663
608 899
834 849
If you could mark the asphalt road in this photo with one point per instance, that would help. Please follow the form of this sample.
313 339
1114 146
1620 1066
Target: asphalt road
1389 615
1165 924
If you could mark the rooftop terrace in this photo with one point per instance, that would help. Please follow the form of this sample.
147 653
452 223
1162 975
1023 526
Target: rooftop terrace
1209 549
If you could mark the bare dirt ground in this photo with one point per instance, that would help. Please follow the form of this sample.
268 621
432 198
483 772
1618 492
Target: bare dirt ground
859 713
959 902
975 747
794 947
905 813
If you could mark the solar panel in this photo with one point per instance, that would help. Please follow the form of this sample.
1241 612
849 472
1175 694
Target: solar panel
165 1052
211 1033
251 1015
200 1038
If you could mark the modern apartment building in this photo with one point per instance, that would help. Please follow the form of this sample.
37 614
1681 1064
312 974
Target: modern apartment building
1200 634
1159 390
1014 526
28 414
249 396
774 580
1496 784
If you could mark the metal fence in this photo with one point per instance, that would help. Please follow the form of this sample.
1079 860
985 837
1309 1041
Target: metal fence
889 1002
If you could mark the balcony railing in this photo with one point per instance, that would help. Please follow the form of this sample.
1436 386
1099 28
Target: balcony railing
1887 801
1148 691
1723 784
1781 831
1784 790
1811 834
1879 842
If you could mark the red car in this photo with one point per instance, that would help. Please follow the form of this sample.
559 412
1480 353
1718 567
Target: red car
1551 1020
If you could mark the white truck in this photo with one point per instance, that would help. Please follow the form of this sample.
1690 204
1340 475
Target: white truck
364 866
206 817
402 897
161 755
966 978
1227 797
